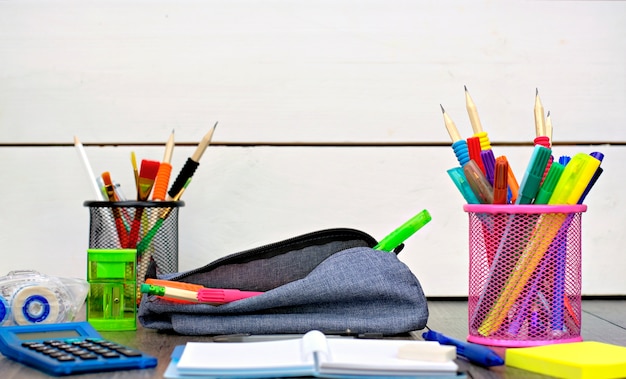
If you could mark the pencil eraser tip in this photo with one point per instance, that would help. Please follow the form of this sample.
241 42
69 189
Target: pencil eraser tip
428 352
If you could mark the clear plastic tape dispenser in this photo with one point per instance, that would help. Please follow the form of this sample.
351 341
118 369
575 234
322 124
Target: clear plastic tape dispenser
28 297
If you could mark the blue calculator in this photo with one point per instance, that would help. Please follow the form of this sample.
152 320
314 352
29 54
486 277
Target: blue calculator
68 348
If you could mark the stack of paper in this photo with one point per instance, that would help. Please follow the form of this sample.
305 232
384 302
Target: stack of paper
577 360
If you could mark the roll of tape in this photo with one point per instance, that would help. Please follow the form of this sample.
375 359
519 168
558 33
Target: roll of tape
4 310
35 305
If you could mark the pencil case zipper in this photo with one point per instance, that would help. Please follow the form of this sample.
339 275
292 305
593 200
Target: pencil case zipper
320 237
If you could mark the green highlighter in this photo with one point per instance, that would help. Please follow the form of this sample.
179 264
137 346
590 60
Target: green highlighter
398 236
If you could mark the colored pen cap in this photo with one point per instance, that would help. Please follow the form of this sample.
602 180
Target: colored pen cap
564 159
549 183
458 177
489 161
533 175
575 178
478 182
500 181
403 232
598 155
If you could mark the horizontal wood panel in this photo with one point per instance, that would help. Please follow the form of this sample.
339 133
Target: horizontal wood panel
323 71
245 197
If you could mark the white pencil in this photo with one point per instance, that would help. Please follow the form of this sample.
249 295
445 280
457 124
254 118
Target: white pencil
92 177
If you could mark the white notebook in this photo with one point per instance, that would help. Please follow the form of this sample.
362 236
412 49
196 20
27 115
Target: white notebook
311 355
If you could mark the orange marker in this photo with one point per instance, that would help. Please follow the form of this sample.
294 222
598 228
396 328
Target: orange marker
500 181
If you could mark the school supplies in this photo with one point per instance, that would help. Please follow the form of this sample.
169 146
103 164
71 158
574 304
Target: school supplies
473 146
525 310
190 166
478 182
461 183
406 230
476 354
427 353
539 116
533 175
459 145
29 297
145 182
575 178
92 178
214 296
112 289
69 348
224 296
337 268
147 238
524 275
119 222
549 184
311 355
501 180
472 112
577 360
165 170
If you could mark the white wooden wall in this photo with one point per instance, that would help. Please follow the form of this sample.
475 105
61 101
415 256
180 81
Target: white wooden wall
328 116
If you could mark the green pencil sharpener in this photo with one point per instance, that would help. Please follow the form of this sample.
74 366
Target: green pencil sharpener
112 299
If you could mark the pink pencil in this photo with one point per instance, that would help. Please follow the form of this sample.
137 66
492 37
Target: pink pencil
221 296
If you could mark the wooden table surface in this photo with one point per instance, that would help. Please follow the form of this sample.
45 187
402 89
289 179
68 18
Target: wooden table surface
603 320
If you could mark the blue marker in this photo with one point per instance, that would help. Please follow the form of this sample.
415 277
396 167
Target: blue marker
477 354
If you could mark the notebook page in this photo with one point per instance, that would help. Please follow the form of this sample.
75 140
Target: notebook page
210 357
377 356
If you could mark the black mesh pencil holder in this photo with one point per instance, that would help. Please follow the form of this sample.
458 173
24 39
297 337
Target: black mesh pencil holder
150 227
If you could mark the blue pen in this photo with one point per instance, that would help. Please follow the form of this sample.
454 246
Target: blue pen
477 354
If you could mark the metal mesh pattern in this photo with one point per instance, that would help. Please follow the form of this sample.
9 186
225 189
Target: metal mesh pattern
156 237
524 278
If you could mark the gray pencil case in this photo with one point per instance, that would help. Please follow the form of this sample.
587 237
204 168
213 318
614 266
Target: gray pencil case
330 280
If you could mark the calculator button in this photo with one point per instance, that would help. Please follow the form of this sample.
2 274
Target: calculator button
129 352
28 344
79 352
88 356
56 353
100 350
111 354
65 358
48 350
